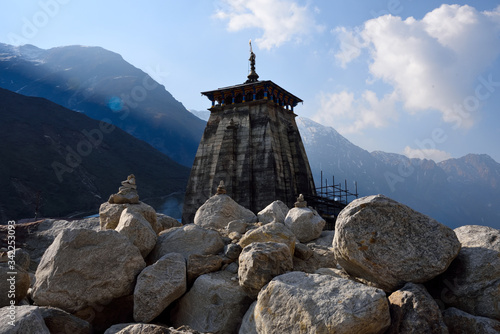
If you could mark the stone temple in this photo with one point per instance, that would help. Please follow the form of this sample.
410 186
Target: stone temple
252 143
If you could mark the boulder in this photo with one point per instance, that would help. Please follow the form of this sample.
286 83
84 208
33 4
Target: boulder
59 321
272 232
215 304
146 329
186 240
138 230
305 223
165 222
302 251
40 235
297 302
259 262
472 282
321 257
22 320
413 310
109 214
219 210
85 267
460 322
325 239
159 285
238 226
273 213
14 284
232 251
198 265
19 256
388 243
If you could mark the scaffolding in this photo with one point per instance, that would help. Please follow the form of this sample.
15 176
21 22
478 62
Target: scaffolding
331 199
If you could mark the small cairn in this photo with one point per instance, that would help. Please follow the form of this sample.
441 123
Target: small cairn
127 193
221 189
301 203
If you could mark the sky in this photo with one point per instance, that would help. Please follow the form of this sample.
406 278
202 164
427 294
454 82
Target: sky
420 78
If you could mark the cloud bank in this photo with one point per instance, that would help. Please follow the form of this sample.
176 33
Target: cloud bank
441 62
280 20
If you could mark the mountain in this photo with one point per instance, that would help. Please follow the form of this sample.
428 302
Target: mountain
69 163
456 192
102 85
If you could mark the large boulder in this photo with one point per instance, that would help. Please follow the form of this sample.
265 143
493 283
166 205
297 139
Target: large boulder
305 223
138 230
460 322
85 267
159 285
413 310
273 213
260 262
14 284
59 321
186 240
272 232
215 304
297 302
472 283
109 214
22 320
321 257
165 222
388 243
219 210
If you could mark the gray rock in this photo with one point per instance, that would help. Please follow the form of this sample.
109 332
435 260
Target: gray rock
232 251
13 287
145 329
325 239
322 257
238 226
413 310
138 230
158 286
297 302
198 265
42 234
165 222
85 267
109 214
20 257
186 240
215 304
273 213
232 268
302 251
22 320
248 325
259 262
460 322
388 243
219 210
472 283
59 321
305 223
272 232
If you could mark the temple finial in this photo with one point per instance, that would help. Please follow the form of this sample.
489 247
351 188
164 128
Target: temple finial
253 76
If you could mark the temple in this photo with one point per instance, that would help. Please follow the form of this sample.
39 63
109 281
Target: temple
252 143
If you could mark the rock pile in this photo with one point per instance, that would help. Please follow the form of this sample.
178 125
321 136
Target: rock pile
127 193
385 269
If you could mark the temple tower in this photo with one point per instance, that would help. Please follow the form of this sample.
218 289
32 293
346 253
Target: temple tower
252 143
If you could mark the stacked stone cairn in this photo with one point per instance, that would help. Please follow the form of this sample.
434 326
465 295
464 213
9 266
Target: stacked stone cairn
385 269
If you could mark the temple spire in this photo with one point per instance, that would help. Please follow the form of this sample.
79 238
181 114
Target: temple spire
253 76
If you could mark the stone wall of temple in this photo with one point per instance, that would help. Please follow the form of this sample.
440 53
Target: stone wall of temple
256 149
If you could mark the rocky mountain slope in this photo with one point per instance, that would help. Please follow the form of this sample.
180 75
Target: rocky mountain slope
456 191
64 161
101 84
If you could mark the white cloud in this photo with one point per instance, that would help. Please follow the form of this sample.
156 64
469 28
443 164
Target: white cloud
350 115
281 20
430 154
433 64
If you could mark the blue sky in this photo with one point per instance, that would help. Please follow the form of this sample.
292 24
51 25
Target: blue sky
420 78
